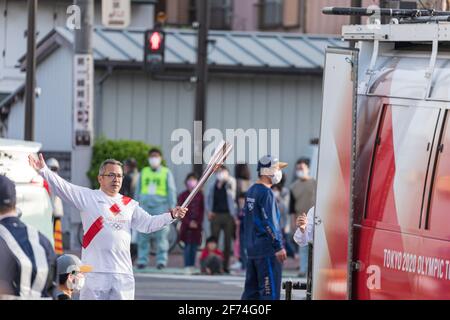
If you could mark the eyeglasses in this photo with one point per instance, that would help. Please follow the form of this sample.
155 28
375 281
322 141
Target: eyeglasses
113 176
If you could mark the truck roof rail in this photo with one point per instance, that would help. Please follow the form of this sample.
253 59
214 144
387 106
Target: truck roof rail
384 12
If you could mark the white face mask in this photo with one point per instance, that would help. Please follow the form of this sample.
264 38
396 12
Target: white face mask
77 283
222 176
300 174
276 178
154 162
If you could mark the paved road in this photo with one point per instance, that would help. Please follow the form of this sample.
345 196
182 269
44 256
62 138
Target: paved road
153 286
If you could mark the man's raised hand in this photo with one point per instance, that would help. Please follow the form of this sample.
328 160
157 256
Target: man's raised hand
37 164
301 222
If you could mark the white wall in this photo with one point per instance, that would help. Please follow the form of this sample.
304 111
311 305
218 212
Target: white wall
53 115
16 121
137 108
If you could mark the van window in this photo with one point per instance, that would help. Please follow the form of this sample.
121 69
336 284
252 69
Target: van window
438 219
399 165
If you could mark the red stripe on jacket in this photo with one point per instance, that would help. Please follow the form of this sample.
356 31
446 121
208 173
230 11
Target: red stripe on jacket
92 232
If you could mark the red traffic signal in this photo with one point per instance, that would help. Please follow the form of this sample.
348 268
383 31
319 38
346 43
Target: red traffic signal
154 49
155 41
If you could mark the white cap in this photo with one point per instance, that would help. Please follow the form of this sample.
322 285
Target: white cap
52 163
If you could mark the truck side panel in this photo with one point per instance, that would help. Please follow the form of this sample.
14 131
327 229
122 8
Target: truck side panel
332 213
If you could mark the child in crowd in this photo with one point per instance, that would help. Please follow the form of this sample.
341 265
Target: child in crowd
211 259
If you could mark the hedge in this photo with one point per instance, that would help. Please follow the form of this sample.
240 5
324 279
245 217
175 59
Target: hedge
119 150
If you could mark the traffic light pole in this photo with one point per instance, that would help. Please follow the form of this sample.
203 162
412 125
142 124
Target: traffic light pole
202 80
30 84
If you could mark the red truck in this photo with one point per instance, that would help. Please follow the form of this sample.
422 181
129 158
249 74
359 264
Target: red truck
382 216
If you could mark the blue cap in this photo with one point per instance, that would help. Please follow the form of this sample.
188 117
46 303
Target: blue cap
270 162
7 192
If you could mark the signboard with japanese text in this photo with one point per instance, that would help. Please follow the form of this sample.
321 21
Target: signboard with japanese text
83 99
116 13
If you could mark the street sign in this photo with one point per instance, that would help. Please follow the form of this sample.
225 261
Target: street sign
116 13
83 98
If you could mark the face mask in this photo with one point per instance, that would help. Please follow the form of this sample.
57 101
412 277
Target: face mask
77 284
191 184
154 162
276 178
221 176
300 174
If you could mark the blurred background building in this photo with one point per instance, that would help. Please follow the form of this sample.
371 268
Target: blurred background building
265 62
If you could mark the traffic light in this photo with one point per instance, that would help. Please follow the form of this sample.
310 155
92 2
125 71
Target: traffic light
154 49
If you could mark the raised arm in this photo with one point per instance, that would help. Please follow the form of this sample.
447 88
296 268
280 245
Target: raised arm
68 192
305 229
145 223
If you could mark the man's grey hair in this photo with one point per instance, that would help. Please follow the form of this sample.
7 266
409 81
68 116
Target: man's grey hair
102 168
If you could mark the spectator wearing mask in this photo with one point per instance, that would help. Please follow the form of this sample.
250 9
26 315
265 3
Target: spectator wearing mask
211 258
263 238
303 197
156 193
282 197
221 207
70 273
191 226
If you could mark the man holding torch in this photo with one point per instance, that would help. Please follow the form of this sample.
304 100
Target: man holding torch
107 218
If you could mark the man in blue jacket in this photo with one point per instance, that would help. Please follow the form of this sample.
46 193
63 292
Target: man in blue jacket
262 234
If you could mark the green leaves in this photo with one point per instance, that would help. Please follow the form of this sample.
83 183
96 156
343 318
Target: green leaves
119 150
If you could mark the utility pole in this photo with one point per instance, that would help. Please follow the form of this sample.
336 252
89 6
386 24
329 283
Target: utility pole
356 19
83 81
82 106
30 83
202 79
83 35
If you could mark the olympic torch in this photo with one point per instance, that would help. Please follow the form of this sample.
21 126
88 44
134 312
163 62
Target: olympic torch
217 159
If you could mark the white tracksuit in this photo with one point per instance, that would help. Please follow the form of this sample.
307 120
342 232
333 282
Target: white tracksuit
302 238
107 223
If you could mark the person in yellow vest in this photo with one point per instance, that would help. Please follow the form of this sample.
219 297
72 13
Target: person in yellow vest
156 193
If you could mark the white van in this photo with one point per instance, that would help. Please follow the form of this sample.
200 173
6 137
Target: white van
33 200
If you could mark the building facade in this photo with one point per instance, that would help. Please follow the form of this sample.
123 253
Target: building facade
303 16
50 14
251 87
